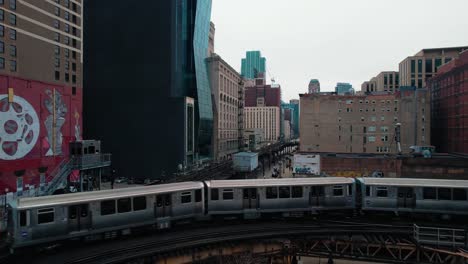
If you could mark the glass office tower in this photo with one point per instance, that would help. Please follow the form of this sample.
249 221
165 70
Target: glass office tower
147 94
253 64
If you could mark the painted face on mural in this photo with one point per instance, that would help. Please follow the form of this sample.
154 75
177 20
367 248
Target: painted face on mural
19 128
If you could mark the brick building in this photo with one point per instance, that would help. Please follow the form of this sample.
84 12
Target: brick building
449 92
364 124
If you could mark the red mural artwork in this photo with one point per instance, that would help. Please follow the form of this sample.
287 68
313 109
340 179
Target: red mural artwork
37 122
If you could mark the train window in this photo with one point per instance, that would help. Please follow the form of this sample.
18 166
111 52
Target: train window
444 194
429 193
84 210
139 203
23 218
167 200
253 193
108 207
284 192
186 197
459 194
228 194
45 215
350 190
198 196
337 190
271 192
72 211
159 201
124 205
214 194
297 191
368 191
245 193
382 192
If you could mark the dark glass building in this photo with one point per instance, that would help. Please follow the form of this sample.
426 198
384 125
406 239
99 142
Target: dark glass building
146 88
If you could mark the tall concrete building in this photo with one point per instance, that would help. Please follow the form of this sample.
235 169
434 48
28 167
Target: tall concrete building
211 39
314 86
344 89
387 81
253 64
449 90
416 70
147 92
227 89
40 90
364 124
265 118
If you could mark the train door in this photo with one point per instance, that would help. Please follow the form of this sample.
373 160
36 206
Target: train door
250 197
163 206
316 195
406 197
79 218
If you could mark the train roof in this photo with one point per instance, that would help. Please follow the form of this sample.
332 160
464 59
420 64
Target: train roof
278 182
83 197
415 182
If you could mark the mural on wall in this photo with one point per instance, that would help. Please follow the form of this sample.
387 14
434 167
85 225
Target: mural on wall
19 127
77 126
57 109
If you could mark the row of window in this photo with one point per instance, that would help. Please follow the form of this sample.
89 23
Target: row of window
12 4
66 3
12 49
350 110
429 193
367 101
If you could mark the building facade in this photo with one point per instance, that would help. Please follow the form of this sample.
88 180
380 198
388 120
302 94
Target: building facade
449 97
387 81
262 94
152 106
344 89
266 118
314 86
364 124
417 69
211 39
253 64
40 91
227 89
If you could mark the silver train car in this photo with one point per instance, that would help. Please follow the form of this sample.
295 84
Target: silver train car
93 214
445 197
252 198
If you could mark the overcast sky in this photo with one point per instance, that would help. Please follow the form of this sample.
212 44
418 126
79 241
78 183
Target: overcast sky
334 40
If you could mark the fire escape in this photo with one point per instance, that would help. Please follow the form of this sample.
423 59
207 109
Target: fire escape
240 109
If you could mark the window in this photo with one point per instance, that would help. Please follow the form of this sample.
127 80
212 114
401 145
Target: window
57 62
73 90
368 191
67 28
2 31
228 194
12 65
23 216
373 118
186 197
12 19
57 37
108 207
429 193
13 4
12 34
214 194
459 194
271 192
57 50
371 139
57 75
296 191
382 118
57 11
67 40
67 53
438 62
74 78
74 43
2 47
284 192
2 63
124 205
67 16
350 190
444 194
372 129
74 54
73 66
12 50
384 129
382 192
413 66
198 196
384 138
337 190
139 203
45 216
428 65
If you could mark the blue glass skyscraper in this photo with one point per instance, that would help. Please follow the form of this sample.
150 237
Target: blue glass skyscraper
147 90
253 64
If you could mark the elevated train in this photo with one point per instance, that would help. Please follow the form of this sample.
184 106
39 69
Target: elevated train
93 215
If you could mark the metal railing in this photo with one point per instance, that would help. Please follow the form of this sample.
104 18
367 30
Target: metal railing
64 169
441 237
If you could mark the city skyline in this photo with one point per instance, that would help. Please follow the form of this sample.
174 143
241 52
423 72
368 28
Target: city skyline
319 42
